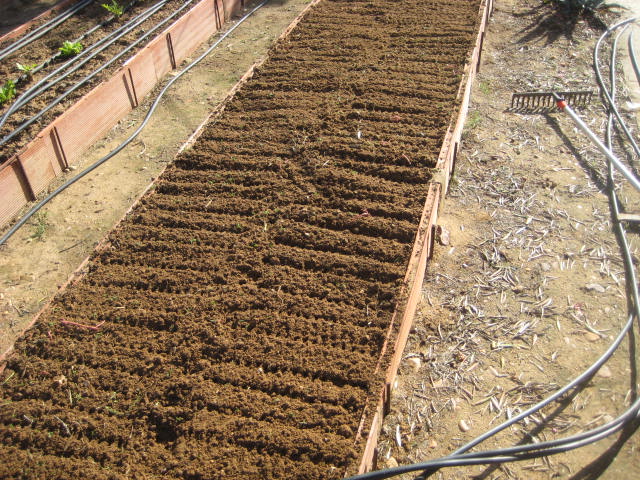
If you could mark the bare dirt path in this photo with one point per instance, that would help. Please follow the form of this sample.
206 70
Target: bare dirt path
42 255
528 291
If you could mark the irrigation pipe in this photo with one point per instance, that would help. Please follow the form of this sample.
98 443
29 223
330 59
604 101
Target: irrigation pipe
610 103
621 167
90 76
48 61
126 142
43 29
632 414
632 55
518 453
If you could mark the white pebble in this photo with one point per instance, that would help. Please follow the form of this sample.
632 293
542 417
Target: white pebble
463 426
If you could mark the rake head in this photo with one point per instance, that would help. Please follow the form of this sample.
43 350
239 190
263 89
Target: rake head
545 101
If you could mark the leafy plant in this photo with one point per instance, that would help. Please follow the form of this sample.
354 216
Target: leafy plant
114 8
70 49
26 69
8 91
41 226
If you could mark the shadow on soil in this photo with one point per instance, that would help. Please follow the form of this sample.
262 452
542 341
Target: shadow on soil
528 437
596 176
595 469
552 20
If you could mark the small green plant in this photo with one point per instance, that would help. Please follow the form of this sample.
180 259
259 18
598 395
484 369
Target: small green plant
26 69
113 411
41 226
474 120
70 49
484 88
114 8
8 91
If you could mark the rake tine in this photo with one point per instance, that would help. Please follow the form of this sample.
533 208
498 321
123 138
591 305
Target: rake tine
538 101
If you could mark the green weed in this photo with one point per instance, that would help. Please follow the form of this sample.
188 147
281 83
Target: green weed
8 91
41 226
114 8
113 411
474 120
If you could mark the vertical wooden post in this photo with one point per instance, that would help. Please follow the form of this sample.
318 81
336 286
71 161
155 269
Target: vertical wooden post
172 56
131 89
216 11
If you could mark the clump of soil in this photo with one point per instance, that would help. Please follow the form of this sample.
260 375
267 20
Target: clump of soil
233 324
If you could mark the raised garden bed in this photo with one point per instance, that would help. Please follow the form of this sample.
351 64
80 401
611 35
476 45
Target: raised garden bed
250 298
27 170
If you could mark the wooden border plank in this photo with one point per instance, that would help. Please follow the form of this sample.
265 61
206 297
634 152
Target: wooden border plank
446 159
403 319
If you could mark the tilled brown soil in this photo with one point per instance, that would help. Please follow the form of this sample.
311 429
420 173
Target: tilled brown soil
44 48
246 299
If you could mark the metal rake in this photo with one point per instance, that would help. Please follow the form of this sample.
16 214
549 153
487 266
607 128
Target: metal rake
544 101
